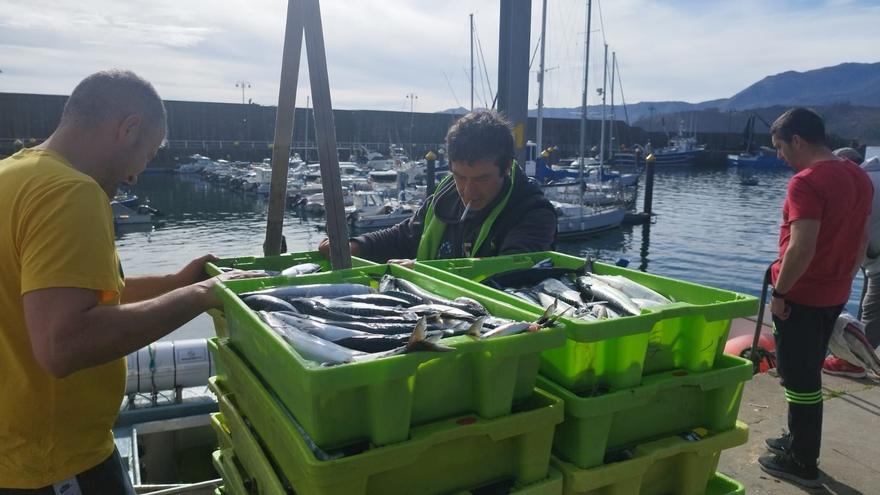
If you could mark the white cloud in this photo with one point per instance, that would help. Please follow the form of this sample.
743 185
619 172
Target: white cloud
378 52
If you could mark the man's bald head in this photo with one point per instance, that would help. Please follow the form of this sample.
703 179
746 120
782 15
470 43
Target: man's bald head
113 95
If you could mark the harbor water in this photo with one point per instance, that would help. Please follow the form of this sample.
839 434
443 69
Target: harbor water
709 229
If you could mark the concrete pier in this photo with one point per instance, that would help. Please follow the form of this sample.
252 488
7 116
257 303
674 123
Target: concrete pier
850 459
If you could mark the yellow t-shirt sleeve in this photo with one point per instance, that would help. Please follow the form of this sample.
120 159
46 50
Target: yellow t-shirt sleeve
67 240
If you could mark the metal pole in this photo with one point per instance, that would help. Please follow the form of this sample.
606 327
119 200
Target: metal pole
539 132
513 65
472 62
611 125
602 131
325 130
412 98
431 160
649 186
293 35
306 151
583 143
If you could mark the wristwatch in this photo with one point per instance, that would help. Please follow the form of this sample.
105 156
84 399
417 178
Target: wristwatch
775 293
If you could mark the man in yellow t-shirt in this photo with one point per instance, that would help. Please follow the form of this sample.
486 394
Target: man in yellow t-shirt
68 317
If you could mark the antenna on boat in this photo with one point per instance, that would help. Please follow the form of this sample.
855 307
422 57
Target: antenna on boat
304 20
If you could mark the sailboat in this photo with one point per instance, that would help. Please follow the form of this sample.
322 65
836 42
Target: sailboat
576 218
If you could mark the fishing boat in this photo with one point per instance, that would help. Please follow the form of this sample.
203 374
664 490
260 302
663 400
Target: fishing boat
683 151
575 220
755 157
763 158
197 164
373 212
123 215
163 431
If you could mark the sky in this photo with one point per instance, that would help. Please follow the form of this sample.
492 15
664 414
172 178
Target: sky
381 51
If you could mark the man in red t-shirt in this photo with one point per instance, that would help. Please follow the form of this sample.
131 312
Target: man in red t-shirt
821 244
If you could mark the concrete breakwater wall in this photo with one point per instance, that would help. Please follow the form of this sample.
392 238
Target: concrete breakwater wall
245 132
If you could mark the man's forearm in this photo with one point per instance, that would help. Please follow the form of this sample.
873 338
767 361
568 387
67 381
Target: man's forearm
148 287
109 332
794 264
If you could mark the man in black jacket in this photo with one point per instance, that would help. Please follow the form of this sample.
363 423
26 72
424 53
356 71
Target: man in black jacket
506 213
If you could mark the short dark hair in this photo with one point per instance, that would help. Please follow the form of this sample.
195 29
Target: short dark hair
802 122
481 135
113 94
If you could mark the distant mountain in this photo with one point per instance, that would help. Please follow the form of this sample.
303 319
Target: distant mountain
852 83
455 111
849 83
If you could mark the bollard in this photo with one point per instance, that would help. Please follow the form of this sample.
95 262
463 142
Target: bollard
649 183
429 173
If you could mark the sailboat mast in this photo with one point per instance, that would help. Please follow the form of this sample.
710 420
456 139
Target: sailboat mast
539 133
602 132
472 62
611 123
583 143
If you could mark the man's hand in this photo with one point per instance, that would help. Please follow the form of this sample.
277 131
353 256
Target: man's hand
779 308
208 287
194 271
324 248
403 262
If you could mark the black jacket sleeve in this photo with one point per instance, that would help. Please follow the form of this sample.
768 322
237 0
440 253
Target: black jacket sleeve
398 242
535 232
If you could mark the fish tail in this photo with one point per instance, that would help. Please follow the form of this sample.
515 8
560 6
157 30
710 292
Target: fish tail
476 328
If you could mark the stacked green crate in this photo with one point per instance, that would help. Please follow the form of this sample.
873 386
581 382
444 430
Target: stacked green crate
665 403
449 456
378 401
473 412
683 466
633 384
688 334
273 263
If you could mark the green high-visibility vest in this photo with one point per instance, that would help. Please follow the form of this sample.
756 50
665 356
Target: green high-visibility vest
434 228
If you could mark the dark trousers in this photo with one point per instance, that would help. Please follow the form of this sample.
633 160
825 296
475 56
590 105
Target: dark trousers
801 346
110 477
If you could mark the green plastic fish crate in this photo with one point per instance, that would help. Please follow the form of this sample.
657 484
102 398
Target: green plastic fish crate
235 436
552 485
276 263
235 481
224 438
379 400
446 456
665 403
615 353
670 465
723 485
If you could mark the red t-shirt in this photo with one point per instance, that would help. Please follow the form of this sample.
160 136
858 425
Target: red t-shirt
838 194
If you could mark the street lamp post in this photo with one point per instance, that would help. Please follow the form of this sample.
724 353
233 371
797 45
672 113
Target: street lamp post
412 98
243 85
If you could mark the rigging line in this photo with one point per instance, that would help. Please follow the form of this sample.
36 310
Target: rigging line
620 85
485 69
449 84
602 21
537 45
481 90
